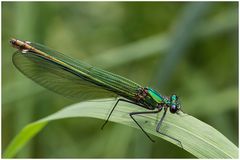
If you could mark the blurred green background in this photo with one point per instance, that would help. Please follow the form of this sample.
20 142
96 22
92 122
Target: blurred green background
190 49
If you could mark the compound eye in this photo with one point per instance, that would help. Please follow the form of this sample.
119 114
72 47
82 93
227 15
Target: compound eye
174 98
173 108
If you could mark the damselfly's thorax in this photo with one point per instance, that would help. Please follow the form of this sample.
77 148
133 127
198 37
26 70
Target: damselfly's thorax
152 99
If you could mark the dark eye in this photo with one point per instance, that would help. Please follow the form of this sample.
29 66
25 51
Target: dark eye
173 108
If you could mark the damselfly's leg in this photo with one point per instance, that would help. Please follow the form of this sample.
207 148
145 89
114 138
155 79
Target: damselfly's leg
181 113
120 99
157 118
146 112
159 125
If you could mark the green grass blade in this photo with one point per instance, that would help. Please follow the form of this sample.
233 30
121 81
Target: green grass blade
198 138
22 138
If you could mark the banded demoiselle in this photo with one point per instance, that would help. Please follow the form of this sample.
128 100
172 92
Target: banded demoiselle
76 79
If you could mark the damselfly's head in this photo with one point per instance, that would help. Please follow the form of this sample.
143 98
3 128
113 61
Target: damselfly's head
174 104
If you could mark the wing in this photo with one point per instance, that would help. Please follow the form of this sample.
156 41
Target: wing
71 77
108 80
55 78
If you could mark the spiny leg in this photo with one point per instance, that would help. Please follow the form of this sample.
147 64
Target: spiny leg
137 113
159 125
120 99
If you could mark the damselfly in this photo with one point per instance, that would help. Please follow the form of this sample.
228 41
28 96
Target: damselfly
73 78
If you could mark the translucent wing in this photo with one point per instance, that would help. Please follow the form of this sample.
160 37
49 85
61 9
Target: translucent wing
118 84
57 78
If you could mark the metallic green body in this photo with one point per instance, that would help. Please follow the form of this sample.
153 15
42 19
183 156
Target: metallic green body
156 96
76 79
